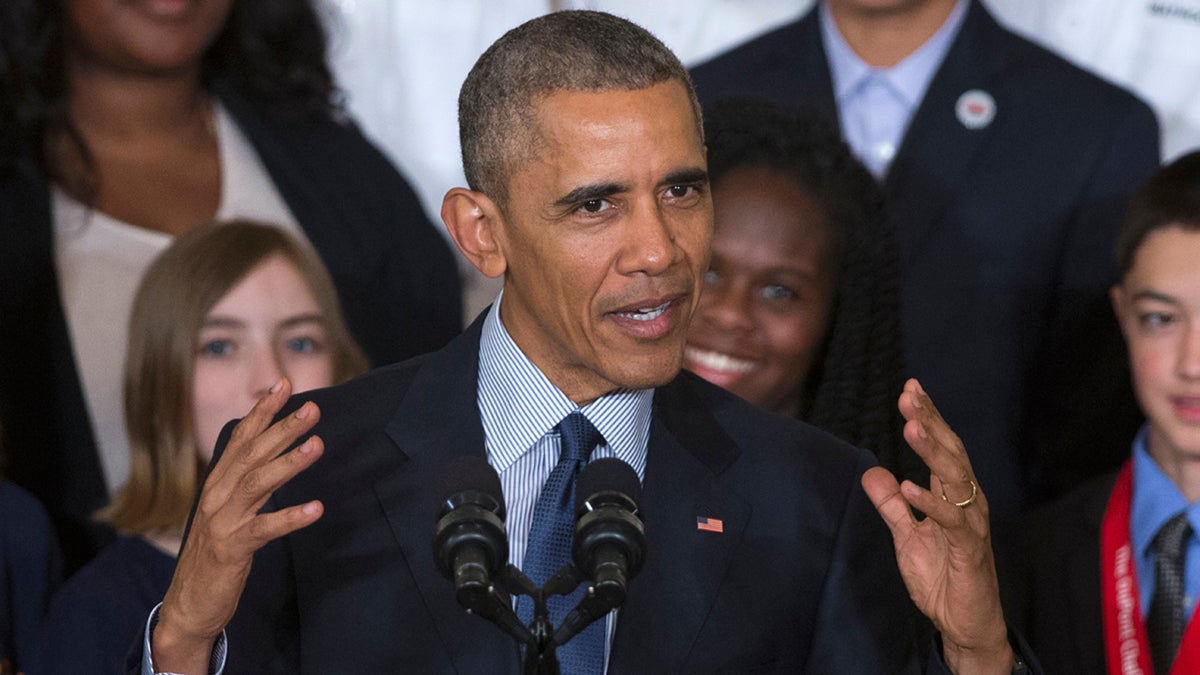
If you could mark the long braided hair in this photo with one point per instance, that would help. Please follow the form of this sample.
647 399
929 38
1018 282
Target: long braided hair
852 388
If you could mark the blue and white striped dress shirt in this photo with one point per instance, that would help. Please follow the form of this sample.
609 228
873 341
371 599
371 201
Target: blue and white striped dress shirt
520 407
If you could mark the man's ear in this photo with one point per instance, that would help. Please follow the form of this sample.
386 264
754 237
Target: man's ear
472 219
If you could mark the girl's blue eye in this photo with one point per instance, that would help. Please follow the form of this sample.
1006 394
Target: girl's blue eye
302 345
217 348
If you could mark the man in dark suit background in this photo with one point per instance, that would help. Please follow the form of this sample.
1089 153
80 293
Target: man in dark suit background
583 147
1006 170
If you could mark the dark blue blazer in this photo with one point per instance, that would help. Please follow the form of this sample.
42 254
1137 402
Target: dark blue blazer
803 578
1006 238
30 570
1049 567
90 620
395 276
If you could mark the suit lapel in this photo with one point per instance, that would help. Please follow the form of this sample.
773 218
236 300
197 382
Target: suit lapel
938 150
281 147
42 399
684 566
438 419
687 453
1084 582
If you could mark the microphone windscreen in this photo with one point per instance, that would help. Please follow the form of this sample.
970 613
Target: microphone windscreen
606 475
470 473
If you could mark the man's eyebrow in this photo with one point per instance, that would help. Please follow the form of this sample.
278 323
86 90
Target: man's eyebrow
585 193
686 177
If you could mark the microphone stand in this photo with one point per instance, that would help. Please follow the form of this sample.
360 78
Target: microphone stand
491 600
541 640
469 541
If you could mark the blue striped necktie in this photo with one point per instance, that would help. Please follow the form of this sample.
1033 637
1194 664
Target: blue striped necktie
549 549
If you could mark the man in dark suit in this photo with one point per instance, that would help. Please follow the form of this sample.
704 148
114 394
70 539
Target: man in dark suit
583 147
1006 170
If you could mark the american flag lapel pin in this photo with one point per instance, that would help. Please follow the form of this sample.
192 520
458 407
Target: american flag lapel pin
709 524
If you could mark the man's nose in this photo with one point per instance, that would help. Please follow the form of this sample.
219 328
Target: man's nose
650 245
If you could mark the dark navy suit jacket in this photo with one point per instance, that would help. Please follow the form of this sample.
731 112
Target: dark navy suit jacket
1006 238
802 579
395 275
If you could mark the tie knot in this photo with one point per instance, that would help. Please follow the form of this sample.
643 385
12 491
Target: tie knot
1173 536
579 437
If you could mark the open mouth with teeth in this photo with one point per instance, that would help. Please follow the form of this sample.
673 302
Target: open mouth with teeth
646 313
717 361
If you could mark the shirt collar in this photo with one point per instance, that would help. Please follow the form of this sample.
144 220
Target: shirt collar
518 404
909 78
1156 498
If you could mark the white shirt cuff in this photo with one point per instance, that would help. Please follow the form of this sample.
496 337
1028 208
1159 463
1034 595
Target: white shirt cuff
216 663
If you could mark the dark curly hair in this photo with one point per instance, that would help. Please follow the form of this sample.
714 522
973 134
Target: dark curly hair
272 52
852 388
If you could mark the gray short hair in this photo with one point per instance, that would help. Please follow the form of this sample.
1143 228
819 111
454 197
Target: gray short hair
562 51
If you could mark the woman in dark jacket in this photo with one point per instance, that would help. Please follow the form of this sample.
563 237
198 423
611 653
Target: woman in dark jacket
124 124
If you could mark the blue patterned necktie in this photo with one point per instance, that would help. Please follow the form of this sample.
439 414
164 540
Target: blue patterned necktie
549 549
1164 621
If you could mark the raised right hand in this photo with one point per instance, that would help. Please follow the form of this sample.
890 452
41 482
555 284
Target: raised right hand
227 529
946 559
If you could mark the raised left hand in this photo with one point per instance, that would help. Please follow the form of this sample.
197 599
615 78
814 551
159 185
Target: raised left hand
946 559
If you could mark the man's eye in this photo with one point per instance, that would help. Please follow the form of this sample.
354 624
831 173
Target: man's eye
679 191
595 206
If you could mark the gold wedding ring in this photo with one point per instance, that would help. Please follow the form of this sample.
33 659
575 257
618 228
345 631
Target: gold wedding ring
966 502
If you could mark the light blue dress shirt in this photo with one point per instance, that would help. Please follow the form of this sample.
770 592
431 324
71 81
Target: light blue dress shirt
875 105
1156 499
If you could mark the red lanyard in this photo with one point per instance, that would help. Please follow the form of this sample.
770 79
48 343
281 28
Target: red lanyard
1125 642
